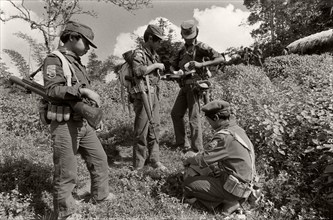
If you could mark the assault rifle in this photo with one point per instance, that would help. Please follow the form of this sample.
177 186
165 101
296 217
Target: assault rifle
92 114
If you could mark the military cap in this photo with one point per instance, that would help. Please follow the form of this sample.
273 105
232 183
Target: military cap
155 30
189 29
217 107
82 29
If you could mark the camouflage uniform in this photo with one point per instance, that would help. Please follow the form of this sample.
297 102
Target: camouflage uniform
225 156
146 147
72 137
188 98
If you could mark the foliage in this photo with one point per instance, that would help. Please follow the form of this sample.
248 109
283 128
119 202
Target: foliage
285 108
277 112
284 21
19 61
4 73
57 13
130 5
38 49
93 66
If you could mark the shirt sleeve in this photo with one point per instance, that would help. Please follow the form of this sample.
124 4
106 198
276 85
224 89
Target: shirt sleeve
175 60
139 63
55 81
209 51
218 153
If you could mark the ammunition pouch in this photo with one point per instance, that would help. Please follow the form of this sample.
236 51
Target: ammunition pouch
201 86
58 112
236 188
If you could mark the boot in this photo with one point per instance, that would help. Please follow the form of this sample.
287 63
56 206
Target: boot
230 207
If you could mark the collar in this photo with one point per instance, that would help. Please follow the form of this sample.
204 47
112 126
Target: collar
151 54
227 123
70 54
195 42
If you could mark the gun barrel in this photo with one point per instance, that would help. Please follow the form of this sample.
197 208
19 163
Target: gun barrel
92 114
29 85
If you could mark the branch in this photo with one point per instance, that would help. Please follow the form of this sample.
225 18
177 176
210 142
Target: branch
131 5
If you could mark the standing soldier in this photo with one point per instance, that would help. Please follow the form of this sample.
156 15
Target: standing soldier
227 166
74 135
192 56
146 70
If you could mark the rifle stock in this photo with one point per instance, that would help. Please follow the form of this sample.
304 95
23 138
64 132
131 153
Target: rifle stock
93 115
146 105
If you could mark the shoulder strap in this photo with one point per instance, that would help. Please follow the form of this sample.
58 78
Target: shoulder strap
243 143
66 66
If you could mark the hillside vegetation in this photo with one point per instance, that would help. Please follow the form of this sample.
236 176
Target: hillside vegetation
285 108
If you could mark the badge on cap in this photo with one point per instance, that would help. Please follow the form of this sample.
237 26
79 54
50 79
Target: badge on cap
51 71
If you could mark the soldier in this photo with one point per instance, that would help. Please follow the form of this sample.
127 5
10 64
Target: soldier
227 166
146 70
74 135
191 57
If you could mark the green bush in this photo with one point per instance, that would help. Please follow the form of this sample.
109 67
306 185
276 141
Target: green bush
285 108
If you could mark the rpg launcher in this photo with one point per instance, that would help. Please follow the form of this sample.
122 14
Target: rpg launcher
91 113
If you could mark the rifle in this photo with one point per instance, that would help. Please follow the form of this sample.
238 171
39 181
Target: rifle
92 114
146 104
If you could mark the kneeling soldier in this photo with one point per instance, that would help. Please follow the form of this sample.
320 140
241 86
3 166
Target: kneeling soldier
231 151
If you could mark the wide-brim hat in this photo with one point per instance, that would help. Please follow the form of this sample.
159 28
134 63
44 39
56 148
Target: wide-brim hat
189 29
155 30
82 29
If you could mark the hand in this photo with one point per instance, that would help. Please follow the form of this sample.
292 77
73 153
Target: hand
90 94
185 158
100 127
195 64
179 72
160 66
186 163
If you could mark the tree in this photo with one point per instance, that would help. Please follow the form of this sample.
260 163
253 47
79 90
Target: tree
19 61
93 66
57 14
4 73
283 21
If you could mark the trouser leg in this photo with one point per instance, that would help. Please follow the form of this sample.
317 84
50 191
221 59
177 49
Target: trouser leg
208 190
141 123
64 143
95 157
153 142
195 121
177 114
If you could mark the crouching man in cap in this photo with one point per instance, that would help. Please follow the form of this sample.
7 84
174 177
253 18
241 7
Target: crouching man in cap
74 135
224 173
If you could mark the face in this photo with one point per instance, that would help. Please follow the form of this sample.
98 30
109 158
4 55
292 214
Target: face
80 46
214 124
190 41
155 45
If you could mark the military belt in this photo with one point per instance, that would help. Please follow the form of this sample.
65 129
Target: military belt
190 81
236 188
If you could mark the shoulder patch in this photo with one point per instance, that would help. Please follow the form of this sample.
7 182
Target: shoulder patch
51 71
213 144
204 46
138 55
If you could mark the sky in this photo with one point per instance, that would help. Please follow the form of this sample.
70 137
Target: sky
221 24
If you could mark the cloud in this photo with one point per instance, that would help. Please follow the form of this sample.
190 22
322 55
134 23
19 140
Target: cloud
219 27
126 41
11 42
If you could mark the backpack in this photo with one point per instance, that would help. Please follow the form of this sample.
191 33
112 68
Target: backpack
126 77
